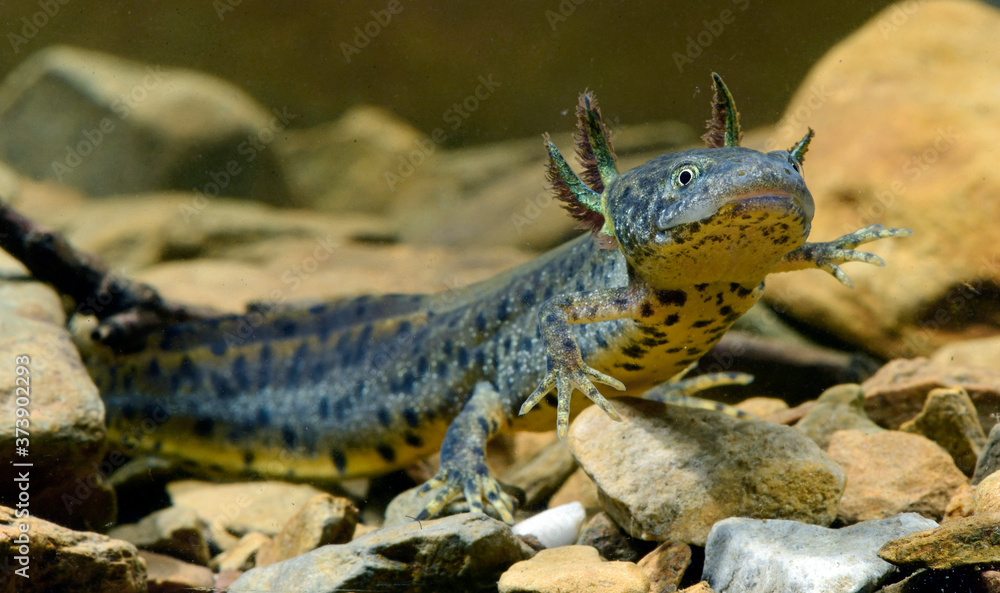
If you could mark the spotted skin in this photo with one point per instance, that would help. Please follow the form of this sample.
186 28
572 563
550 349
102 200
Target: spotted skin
363 386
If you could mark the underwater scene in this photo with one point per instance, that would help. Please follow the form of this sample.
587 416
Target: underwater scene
316 298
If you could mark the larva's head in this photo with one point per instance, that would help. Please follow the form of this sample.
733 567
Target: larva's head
723 213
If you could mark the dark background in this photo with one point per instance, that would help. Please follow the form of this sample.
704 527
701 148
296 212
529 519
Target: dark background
430 54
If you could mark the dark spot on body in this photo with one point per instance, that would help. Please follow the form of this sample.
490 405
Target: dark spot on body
288 328
248 457
295 367
672 319
221 386
386 452
633 351
218 348
528 297
288 437
406 383
671 297
630 366
525 344
384 417
414 440
483 425
646 310
702 323
404 328
339 460
422 365
339 409
203 427
480 321
448 347
241 374
463 356
600 341
701 287
264 367
503 310
725 310
411 417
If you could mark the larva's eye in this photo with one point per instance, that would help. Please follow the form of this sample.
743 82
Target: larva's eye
684 175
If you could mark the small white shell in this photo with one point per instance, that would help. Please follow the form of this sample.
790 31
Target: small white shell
555 527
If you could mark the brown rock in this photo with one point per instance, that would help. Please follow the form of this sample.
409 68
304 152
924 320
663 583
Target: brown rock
603 534
840 407
894 147
127 127
986 497
65 415
542 474
665 566
893 472
61 559
973 540
438 555
702 587
898 391
960 505
949 419
165 574
983 353
242 507
173 531
242 555
989 461
572 568
366 142
762 407
578 488
324 519
664 473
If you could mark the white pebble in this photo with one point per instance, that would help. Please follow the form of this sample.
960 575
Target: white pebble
555 527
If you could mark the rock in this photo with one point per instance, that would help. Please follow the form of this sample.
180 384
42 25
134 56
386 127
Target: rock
791 415
603 534
972 540
839 408
242 507
986 496
982 353
573 568
963 578
762 407
173 531
949 419
242 555
578 488
921 166
893 472
128 127
366 143
61 415
702 587
664 473
989 461
898 391
665 566
541 475
325 519
749 555
165 574
558 526
960 505
441 554
61 559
